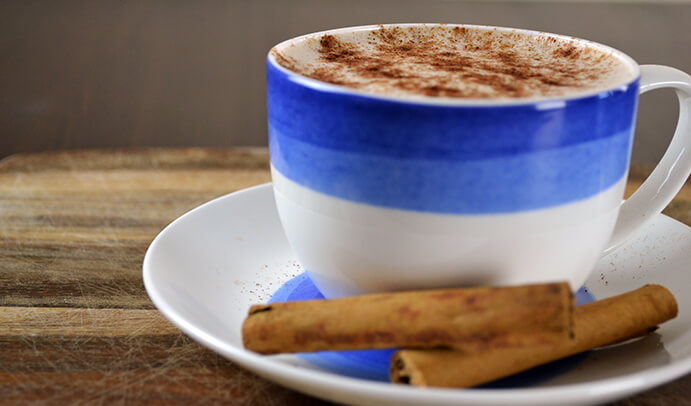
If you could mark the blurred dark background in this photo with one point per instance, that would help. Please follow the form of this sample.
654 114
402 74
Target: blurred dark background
169 73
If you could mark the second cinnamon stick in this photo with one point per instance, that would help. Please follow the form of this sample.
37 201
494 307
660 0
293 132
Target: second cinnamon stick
596 324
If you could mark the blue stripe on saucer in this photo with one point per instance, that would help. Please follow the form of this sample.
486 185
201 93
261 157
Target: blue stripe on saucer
374 364
369 364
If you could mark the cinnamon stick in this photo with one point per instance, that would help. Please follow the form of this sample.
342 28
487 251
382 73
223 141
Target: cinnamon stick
489 317
596 324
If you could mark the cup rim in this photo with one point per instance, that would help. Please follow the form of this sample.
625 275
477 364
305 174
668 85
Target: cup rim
455 101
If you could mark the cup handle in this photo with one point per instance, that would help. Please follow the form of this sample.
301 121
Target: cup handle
674 168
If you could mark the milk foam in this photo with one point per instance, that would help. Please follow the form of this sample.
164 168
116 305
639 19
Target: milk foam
456 61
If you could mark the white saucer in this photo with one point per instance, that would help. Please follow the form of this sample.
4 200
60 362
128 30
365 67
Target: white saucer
206 268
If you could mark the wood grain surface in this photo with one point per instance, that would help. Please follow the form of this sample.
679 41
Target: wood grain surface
76 325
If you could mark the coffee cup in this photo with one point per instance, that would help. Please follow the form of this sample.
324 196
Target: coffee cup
389 180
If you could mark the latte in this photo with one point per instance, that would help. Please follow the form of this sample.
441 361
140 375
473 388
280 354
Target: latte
455 61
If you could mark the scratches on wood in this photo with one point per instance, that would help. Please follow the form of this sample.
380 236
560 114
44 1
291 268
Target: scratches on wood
74 226
254 158
35 321
217 383
76 325
89 356
138 368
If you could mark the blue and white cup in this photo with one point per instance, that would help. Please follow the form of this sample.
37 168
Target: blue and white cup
382 193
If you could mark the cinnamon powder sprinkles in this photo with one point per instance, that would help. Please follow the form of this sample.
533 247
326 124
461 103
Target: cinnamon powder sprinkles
453 61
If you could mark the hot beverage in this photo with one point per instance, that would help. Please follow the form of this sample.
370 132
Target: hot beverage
423 156
453 61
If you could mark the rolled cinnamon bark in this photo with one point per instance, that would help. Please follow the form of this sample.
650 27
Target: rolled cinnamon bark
470 318
596 324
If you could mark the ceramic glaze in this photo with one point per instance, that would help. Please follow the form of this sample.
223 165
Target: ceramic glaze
349 248
206 268
385 192
462 159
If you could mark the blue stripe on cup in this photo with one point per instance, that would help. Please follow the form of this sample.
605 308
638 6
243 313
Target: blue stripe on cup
496 185
460 159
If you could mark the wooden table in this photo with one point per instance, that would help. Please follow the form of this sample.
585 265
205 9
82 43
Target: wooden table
76 325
